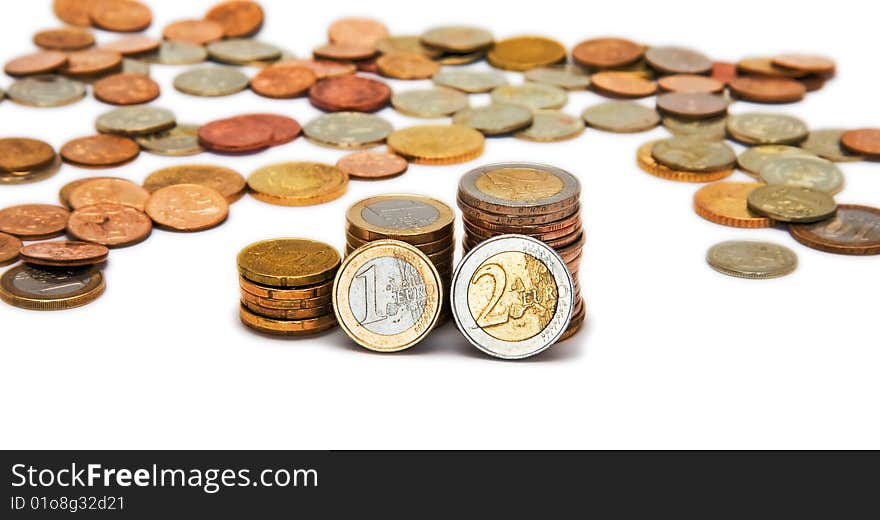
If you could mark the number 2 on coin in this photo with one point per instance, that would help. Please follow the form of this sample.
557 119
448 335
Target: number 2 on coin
487 317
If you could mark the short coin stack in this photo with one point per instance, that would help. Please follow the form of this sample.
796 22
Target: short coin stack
536 200
287 286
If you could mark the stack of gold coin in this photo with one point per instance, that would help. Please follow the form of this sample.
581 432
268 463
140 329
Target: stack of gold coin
535 200
287 286
423 222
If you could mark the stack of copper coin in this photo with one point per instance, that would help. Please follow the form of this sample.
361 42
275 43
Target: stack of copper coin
287 285
536 200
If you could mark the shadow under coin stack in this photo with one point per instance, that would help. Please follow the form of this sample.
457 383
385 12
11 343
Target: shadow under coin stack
423 222
529 199
287 285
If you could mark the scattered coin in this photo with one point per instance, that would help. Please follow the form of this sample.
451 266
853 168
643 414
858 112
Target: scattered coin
693 154
321 68
723 72
811 172
348 130
429 103
645 160
40 62
298 183
178 141
458 39
108 191
372 165
522 53
714 129
854 230
805 63
64 39
496 118
126 89
460 59
91 62
198 32
552 125
406 65
569 77
33 221
236 135
228 183
470 81
212 81
242 51
621 116
349 93
135 120
112 225
283 82
22 154
46 289
133 66
64 253
9 248
132 45
187 207
751 259
753 159
437 144
100 151
177 53
792 203
864 141
725 203
288 262
692 105
690 83
677 60
763 66
343 52
357 31
607 53
237 17
826 144
46 91
284 129
766 89
623 84
766 128
64 192
411 44
536 96
119 15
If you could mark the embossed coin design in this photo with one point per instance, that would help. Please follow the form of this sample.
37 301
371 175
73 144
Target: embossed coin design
413 219
854 230
64 253
678 60
429 103
753 159
437 144
50 289
725 203
811 172
752 259
496 118
621 116
288 262
458 39
692 105
348 130
33 221
766 128
112 225
187 207
298 183
110 191
135 120
519 189
646 161
18 154
212 81
229 183
792 203
693 154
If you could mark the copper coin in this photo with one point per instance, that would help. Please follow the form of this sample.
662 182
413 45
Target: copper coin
761 66
236 135
126 89
344 52
349 93
90 62
407 65
864 141
357 31
132 45
284 129
111 225
40 62
723 71
805 63
813 82
690 83
120 15
67 189
319 291
321 68
9 247
623 84
237 17
187 207
283 82
198 32
854 230
604 53
372 165
110 191
74 12
696 105
64 39
20 154
64 253
34 221
370 66
677 60
102 150
766 89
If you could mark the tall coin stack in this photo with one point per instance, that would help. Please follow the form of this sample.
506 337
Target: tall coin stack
536 200
287 286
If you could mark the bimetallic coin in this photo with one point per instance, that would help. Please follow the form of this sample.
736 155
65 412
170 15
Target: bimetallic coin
178 141
348 130
569 77
826 144
372 165
211 81
46 91
792 203
714 129
677 60
495 119
112 225
177 53
429 103
512 297
135 120
854 230
64 253
457 39
298 183
519 189
751 259
725 203
766 128
437 144
753 159
522 53
48 289
621 116
693 154
33 221
536 96
9 248
387 296
810 172
470 81
411 218
552 125
242 51
288 262
228 183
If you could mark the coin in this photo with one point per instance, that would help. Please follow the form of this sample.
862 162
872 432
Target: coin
40 62
406 65
623 84
212 81
198 32
356 31
765 89
91 62
723 71
288 262
33 221
237 17
177 53
569 77
283 82
47 289
132 45
714 129
766 128
284 129
690 83
28 176
110 191
64 192
692 105
9 247
413 219
290 328
64 39
826 144
349 93
751 259
316 306
646 161
135 66
519 188
810 172
865 141
792 203
100 151
458 39
236 135
753 159
372 165
178 141
535 96
120 15
298 183
112 225
470 81
621 116
229 183
693 154
437 144
552 125
429 103
677 60
321 68
126 89
64 253
22 154
187 207
725 203
46 91
74 12
251 303
242 51
135 120
763 66
344 52
854 230
606 53
411 44
320 292
496 118
522 53
348 130
805 63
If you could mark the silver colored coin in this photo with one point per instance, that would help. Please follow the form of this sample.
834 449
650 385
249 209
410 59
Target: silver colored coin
809 172
712 129
180 140
135 120
753 159
47 90
537 96
211 81
519 188
621 117
766 128
495 119
429 103
348 130
411 44
693 154
470 81
527 311
552 125
791 203
133 66
242 51
458 39
752 259
387 271
826 144
569 77
177 53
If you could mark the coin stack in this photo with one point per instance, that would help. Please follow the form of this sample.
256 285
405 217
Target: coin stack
423 222
529 199
287 285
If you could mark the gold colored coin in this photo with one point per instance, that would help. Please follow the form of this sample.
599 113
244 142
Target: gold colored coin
228 183
305 292
410 218
407 65
648 164
522 53
291 328
298 183
288 262
726 203
437 144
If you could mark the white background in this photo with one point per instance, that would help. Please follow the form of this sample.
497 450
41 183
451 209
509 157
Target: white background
675 355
